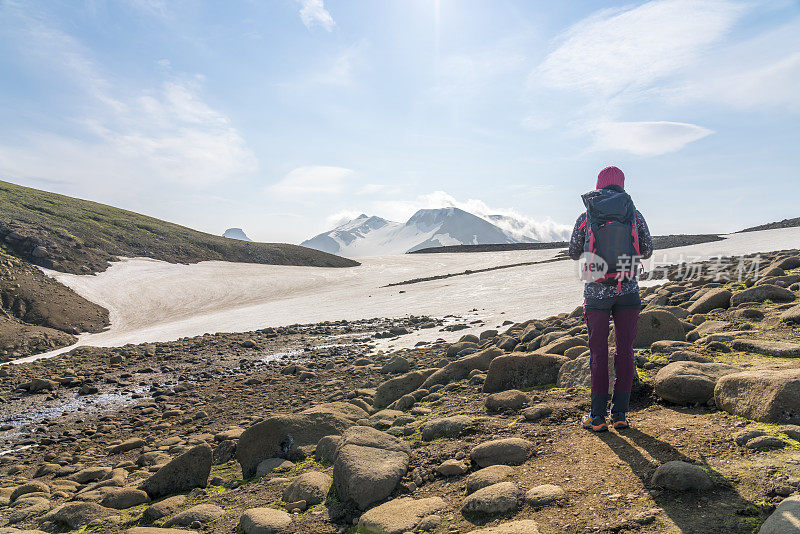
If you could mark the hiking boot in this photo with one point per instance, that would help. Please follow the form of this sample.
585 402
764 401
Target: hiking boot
595 424
620 422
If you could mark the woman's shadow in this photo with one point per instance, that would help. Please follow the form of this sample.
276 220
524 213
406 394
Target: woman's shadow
718 510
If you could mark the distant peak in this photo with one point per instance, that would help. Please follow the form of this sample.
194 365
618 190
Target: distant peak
236 233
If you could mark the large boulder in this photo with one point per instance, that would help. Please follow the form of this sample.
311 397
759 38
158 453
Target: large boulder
127 445
792 315
706 328
687 382
545 494
787 263
522 370
780 349
510 400
399 515
33 486
122 498
393 389
311 487
367 465
488 476
90 474
762 292
398 364
163 508
201 513
457 348
77 514
264 521
681 476
35 385
711 300
347 410
508 451
785 519
281 436
446 427
461 368
326 448
187 471
766 396
560 345
495 499
658 325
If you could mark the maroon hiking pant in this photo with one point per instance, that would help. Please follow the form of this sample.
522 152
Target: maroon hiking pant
625 322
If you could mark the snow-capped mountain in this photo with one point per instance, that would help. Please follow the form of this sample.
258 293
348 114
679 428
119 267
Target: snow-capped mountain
236 233
375 236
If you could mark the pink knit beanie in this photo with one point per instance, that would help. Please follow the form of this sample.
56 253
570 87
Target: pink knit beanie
610 176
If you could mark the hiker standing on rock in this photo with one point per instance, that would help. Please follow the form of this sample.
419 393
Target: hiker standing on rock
612 236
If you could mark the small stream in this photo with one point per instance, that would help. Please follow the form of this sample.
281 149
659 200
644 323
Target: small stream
20 414
279 355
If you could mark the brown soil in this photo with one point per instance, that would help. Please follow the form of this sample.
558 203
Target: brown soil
38 314
18 339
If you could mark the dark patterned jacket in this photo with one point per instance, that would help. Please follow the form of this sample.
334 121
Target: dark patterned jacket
596 290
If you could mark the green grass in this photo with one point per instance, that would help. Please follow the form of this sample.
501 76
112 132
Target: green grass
87 235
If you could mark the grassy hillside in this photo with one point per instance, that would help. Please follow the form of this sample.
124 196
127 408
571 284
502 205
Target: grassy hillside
78 236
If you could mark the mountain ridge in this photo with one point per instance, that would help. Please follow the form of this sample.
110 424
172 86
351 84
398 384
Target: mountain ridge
433 227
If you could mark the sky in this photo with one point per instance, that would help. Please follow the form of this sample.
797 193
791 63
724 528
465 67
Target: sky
287 117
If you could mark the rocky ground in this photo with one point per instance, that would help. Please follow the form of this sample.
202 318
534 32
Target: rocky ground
311 429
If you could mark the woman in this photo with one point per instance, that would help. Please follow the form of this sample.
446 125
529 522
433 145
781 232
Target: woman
618 234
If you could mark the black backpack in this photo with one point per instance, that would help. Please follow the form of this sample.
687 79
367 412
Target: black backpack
612 234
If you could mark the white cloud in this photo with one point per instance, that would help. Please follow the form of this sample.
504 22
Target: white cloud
339 218
313 13
165 134
339 71
371 189
615 50
667 53
463 76
762 72
646 138
312 180
538 120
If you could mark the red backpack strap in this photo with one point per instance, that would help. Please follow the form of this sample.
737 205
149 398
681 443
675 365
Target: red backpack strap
589 232
635 232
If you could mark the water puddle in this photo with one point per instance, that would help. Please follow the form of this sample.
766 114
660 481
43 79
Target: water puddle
278 355
12 451
89 404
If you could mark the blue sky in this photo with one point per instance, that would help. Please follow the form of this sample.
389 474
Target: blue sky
284 117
